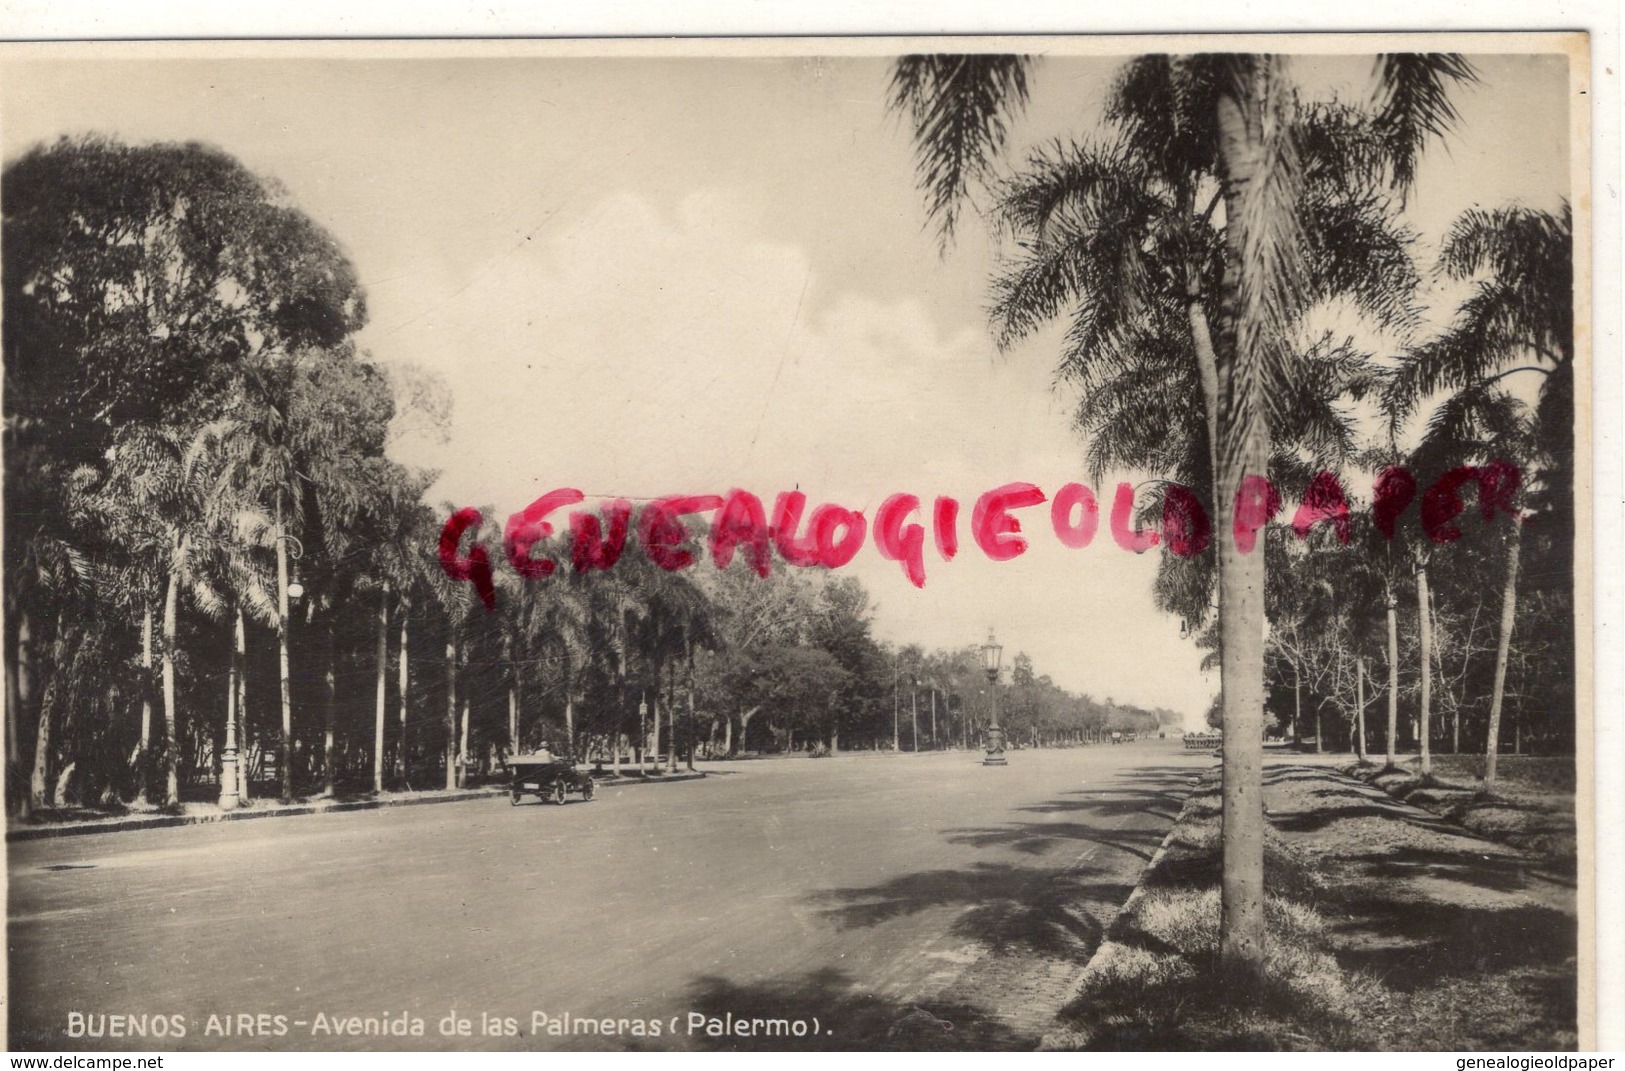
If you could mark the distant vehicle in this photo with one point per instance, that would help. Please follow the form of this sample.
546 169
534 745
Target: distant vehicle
546 778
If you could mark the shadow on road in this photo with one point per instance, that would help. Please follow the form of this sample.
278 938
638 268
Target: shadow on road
1005 906
1059 906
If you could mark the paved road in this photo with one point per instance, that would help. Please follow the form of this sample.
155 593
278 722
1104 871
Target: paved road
908 901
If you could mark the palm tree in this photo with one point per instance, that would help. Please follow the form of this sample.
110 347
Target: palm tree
457 605
228 581
163 491
1200 134
53 573
1518 318
395 526
556 617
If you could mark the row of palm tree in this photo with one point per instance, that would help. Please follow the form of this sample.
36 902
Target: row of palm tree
216 577
1206 246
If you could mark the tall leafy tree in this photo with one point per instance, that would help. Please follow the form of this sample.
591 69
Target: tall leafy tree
137 280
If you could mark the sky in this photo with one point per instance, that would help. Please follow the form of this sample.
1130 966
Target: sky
643 276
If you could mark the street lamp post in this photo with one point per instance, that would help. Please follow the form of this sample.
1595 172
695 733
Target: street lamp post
995 735
233 772
230 794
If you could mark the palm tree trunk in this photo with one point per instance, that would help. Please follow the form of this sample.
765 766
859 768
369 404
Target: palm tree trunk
933 717
569 719
52 789
896 743
654 747
451 709
1241 580
239 653
380 713
1509 603
688 651
405 688
1359 706
1297 706
1245 445
38 792
1466 660
285 756
329 708
671 722
143 749
620 677
669 688
914 719
1425 630
513 695
1393 675
172 594
19 685
463 741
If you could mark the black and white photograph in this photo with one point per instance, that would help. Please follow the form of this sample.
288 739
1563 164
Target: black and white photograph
828 544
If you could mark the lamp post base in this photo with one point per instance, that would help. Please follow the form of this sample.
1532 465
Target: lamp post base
229 799
995 747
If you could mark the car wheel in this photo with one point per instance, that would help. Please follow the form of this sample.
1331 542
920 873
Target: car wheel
558 793
586 793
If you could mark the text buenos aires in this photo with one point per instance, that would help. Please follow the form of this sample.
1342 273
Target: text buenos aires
833 534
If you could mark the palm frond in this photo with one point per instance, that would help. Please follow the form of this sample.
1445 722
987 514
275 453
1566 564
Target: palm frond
1356 247
1266 235
958 105
1414 105
1164 105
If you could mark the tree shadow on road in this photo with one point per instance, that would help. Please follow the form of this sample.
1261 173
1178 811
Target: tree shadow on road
1041 838
1008 907
1060 905
847 1017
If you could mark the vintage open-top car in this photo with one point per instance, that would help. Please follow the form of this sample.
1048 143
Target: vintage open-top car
547 778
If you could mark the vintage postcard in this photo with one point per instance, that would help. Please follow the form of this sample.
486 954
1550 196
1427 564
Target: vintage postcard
824 544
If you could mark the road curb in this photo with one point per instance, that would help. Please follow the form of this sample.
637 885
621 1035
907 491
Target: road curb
169 821
1063 1038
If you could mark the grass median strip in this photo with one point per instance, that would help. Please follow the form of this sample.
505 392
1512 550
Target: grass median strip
1388 929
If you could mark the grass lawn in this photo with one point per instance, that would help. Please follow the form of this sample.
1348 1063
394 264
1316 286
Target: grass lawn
1530 806
1388 929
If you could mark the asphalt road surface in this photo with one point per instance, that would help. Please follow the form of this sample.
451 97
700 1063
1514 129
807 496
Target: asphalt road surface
862 901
